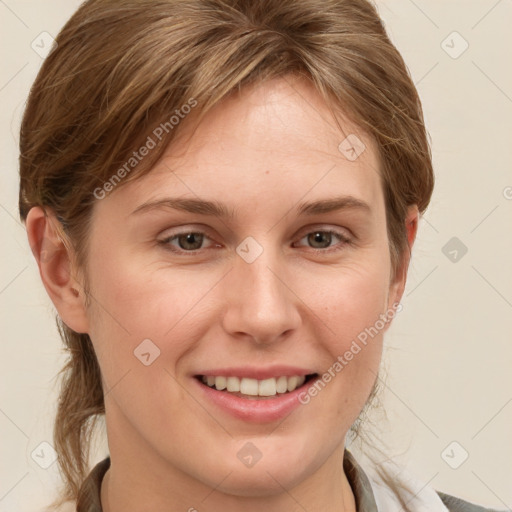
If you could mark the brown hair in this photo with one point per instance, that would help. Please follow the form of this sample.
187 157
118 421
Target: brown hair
120 69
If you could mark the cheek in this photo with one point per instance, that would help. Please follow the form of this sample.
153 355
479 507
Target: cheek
133 302
142 301
349 306
349 300
140 328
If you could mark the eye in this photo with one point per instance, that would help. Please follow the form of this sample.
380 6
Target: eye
322 239
186 241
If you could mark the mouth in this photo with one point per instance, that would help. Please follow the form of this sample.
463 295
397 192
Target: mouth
256 389
252 394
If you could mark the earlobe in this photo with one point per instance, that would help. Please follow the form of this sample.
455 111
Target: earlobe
398 283
411 225
54 260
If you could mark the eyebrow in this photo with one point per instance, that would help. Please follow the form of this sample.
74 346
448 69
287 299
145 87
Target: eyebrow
331 205
200 206
215 208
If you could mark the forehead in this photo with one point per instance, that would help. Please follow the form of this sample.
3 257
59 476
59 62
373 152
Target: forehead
267 144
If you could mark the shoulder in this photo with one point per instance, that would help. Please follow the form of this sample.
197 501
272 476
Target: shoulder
454 504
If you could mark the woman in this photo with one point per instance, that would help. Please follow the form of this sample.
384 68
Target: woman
222 197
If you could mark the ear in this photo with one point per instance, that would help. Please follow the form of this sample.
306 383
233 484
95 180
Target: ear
55 261
397 285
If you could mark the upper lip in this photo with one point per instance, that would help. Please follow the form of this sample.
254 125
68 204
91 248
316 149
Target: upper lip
259 373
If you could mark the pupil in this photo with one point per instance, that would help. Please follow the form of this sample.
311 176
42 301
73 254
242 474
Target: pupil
190 241
318 236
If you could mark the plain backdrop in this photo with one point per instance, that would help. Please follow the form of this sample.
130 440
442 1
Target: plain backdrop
448 392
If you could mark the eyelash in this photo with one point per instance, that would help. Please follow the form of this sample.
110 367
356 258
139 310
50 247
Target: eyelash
343 240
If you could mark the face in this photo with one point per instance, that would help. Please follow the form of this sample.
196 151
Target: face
255 254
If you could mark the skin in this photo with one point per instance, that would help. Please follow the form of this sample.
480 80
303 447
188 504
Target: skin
261 153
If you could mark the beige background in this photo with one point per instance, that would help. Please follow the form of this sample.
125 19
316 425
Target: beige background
450 350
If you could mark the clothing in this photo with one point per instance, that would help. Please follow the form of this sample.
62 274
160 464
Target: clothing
371 495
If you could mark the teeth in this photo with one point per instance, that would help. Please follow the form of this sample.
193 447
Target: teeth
221 383
295 382
249 387
254 387
233 384
292 383
267 387
282 384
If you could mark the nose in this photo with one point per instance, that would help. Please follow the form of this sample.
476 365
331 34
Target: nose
261 305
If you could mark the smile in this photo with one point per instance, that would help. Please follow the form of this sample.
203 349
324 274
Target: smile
248 387
254 394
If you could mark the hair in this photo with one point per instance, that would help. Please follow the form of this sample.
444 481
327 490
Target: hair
120 69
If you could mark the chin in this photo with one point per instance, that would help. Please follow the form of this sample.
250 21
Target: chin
261 483
279 467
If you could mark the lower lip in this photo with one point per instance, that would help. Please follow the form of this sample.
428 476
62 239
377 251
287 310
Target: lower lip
263 410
